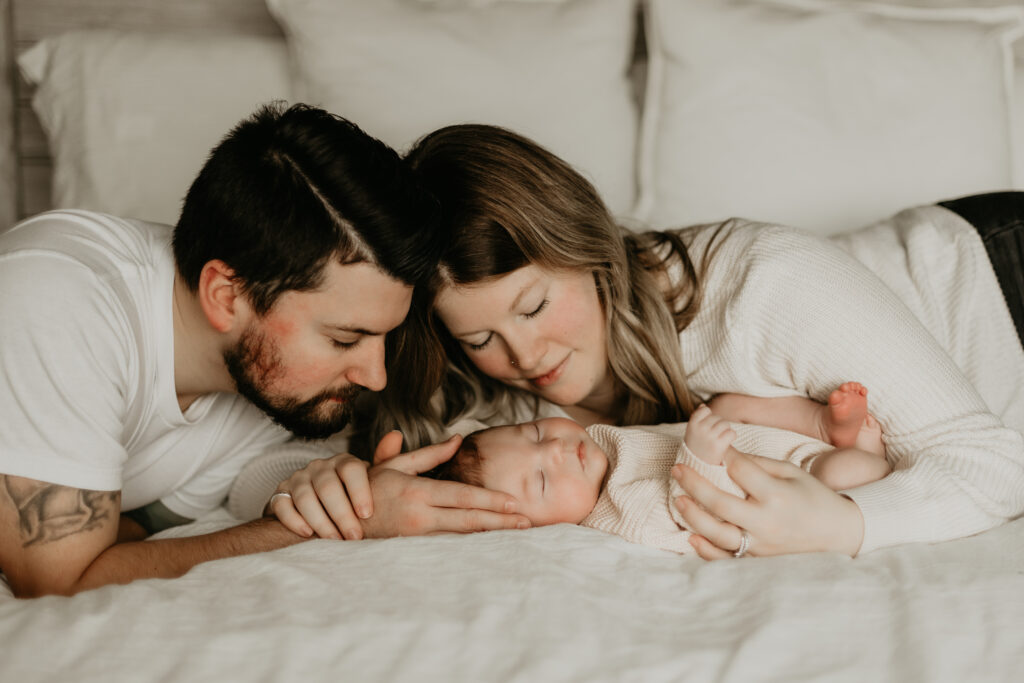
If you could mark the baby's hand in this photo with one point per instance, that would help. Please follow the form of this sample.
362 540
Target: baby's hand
708 436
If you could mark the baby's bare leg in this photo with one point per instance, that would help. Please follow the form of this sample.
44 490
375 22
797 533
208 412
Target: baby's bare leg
844 421
708 436
795 413
846 468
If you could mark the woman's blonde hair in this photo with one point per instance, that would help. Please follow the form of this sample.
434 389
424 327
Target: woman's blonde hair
507 202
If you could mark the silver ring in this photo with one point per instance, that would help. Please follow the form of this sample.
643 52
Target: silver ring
270 503
744 543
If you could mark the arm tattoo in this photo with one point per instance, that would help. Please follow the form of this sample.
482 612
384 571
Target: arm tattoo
49 512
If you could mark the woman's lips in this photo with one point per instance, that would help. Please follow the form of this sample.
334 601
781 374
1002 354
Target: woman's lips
550 377
581 452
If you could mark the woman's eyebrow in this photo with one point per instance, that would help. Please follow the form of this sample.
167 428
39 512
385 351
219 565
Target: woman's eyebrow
522 292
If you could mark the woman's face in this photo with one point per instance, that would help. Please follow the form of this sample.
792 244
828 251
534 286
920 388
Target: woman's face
536 329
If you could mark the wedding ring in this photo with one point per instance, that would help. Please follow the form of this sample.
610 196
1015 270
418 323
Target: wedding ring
744 543
270 503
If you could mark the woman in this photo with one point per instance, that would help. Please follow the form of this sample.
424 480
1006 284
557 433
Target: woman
541 295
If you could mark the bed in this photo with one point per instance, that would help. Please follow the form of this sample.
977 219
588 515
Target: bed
819 113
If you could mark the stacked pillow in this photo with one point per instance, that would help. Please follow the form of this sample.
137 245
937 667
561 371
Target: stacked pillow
826 114
130 117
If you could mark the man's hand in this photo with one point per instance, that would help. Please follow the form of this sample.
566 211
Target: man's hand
326 493
408 505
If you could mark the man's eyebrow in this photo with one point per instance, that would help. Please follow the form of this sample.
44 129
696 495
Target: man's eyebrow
354 330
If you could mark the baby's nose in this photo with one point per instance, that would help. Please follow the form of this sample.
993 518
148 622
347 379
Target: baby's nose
556 451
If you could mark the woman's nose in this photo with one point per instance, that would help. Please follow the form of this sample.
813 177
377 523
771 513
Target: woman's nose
528 353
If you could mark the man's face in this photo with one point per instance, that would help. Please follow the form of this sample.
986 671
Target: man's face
305 360
551 466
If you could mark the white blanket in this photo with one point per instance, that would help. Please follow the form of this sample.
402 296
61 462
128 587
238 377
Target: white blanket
559 603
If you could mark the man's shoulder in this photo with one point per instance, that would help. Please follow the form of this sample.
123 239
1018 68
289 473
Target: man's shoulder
76 232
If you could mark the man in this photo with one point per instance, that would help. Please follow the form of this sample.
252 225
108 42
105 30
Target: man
134 365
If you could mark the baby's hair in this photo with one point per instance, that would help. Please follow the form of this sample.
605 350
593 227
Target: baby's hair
465 465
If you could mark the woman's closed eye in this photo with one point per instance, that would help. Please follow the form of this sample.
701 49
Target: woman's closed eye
535 312
481 345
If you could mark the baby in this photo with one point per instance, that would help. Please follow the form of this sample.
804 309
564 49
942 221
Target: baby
617 479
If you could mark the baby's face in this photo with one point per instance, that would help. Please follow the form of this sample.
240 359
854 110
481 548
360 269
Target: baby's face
552 467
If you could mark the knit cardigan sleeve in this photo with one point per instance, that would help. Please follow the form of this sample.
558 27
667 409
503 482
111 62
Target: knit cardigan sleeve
259 478
789 314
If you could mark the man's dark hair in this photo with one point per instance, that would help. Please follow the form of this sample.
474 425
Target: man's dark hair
290 188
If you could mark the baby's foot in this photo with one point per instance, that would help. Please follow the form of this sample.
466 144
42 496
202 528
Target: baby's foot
843 417
708 436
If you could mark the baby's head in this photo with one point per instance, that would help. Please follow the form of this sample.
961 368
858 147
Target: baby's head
551 466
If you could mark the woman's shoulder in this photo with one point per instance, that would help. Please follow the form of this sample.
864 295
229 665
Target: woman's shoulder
730 248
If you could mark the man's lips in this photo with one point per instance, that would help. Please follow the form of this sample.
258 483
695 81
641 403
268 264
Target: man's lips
343 395
550 377
581 452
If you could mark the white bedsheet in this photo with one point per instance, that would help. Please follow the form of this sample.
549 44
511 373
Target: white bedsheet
551 604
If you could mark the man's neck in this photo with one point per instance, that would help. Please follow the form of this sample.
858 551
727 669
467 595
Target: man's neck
198 358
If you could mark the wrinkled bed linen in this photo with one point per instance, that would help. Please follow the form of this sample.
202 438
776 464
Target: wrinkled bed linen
549 604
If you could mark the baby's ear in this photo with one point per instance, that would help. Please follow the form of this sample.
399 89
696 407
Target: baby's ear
464 426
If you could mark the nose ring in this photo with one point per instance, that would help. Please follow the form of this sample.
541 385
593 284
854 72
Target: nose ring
514 363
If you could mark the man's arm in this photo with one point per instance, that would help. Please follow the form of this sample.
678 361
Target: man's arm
59 539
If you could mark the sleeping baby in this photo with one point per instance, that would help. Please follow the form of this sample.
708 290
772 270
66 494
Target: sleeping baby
617 479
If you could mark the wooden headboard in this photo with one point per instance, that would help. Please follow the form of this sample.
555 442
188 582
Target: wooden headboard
25 165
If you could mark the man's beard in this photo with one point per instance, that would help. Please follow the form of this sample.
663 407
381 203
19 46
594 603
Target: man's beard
254 361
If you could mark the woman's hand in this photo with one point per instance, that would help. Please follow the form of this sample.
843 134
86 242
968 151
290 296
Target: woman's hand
786 511
327 497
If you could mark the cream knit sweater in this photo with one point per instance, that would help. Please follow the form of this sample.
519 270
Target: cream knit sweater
636 501
788 313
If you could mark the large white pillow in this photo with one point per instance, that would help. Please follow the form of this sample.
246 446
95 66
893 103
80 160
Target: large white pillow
826 114
553 70
131 117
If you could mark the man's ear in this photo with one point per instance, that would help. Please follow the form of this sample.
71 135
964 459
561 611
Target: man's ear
220 296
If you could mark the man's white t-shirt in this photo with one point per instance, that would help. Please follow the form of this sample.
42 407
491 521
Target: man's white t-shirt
87 396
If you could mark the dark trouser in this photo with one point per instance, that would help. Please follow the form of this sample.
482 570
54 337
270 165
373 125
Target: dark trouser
999 219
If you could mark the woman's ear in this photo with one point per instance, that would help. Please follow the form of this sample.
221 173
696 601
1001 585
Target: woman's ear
219 295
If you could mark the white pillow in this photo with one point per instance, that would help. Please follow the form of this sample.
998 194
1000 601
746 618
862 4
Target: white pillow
131 117
827 114
553 70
